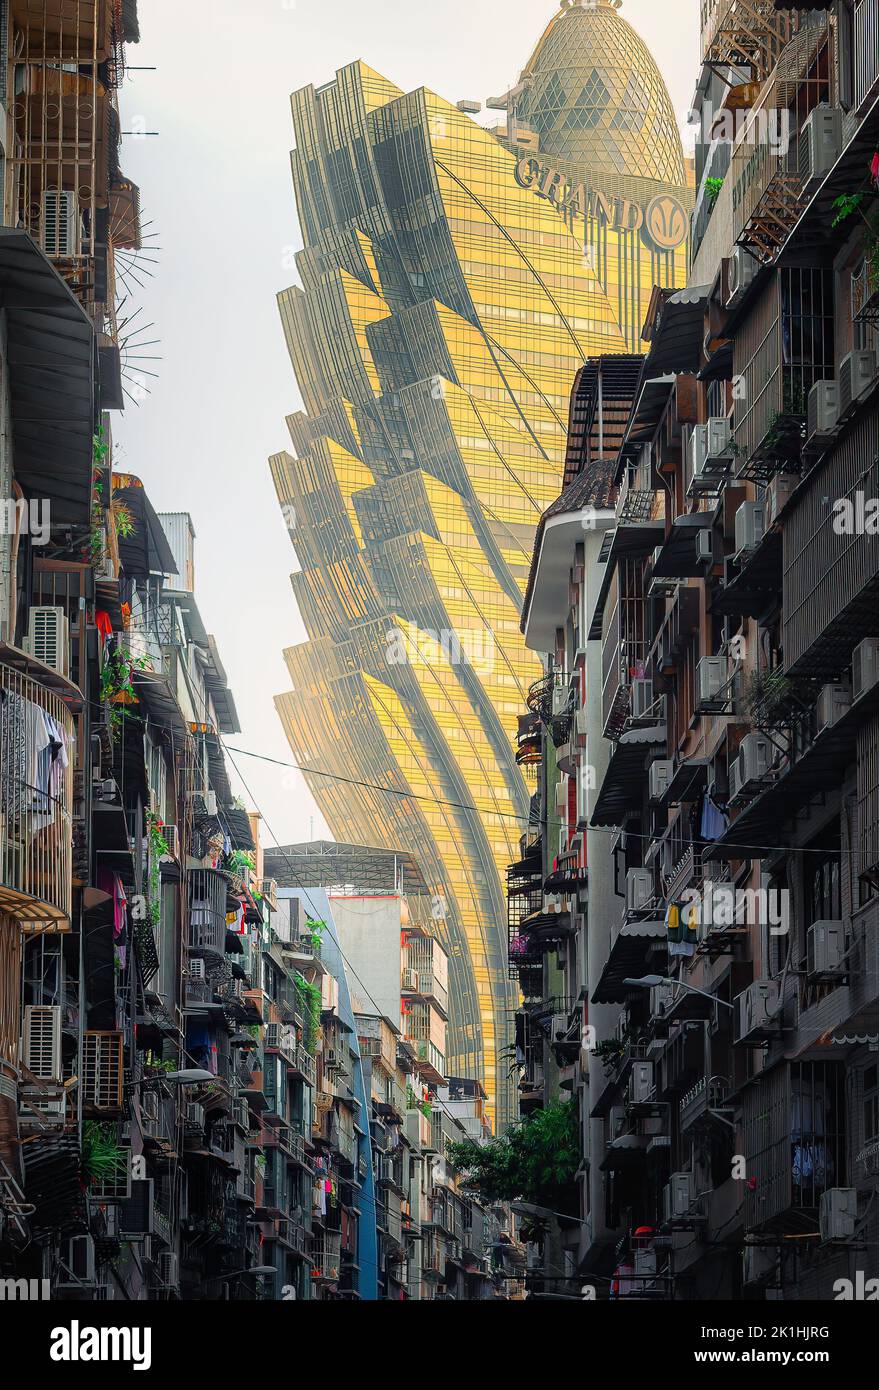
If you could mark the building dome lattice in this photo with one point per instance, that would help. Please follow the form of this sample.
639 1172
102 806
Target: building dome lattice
595 97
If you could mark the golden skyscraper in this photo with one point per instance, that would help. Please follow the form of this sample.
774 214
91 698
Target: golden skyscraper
447 300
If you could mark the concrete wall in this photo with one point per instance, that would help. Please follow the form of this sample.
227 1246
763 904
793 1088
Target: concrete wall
369 935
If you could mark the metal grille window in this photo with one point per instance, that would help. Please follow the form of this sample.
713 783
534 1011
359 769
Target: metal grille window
871 1105
795 1142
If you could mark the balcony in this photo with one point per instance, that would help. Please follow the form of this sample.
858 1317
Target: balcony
783 349
66 132
36 821
429 963
529 741
768 183
326 1257
706 1105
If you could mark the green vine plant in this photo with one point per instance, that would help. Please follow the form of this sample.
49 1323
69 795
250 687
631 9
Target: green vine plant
311 1001
712 191
158 850
117 682
535 1161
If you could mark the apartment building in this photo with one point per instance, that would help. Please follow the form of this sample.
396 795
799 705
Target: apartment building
703 836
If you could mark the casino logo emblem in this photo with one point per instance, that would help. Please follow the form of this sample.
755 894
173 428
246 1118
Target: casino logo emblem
666 223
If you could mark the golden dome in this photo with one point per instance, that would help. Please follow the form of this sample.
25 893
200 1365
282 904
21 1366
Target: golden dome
595 97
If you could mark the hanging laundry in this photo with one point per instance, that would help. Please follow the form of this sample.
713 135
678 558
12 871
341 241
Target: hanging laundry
714 820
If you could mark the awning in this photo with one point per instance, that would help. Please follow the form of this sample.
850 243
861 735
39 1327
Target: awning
679 332
625 1152
622 790
627 957
677 558
757 586
634 538
649 407
217 684
51 352
146 551
156 693
689 781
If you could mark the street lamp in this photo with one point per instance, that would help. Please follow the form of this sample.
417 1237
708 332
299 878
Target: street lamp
650 981
192 1076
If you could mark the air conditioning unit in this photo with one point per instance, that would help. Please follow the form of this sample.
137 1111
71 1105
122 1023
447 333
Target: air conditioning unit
838 1213
778 493
865 668
639 889
581 722
195 1115
678 1196
661 997
712 681
659 777
62 223
642 698
820 143
273 1036
758 1264
641 1083
150 1107
410 980
697 452
719 454
561 700
825 951
750 528
169 1270
48 638
756 1009
332 1060
241 1114
833 702
210 801
172 839
645 1264
41 1041
705 545
822 411
196 968
735 780
77 1263
755 758
742 271
857 373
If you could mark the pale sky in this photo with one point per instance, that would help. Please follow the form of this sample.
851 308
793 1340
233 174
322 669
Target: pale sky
215 184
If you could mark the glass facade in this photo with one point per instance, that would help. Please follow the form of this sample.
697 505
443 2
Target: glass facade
442 314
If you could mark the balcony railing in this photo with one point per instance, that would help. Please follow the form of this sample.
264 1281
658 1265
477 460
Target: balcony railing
865 47
36 803
65 133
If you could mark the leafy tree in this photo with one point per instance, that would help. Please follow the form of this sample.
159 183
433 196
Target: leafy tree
535 1161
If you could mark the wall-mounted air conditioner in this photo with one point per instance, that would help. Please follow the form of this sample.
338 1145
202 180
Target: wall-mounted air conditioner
195 1115
62 223
857 373
273 1036
639 889
210 801
742 271
735 780
581 722
756 1011
820 144
678 1196
645 1264
755 758
659 776
48 638
196 969
77 1265
750 528
642 698
641 1083
833 702
705 545
661 997
778 493
865 668
825 951
171 836
719 454
822 412
41 1041
712 680
697 453
838 1213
